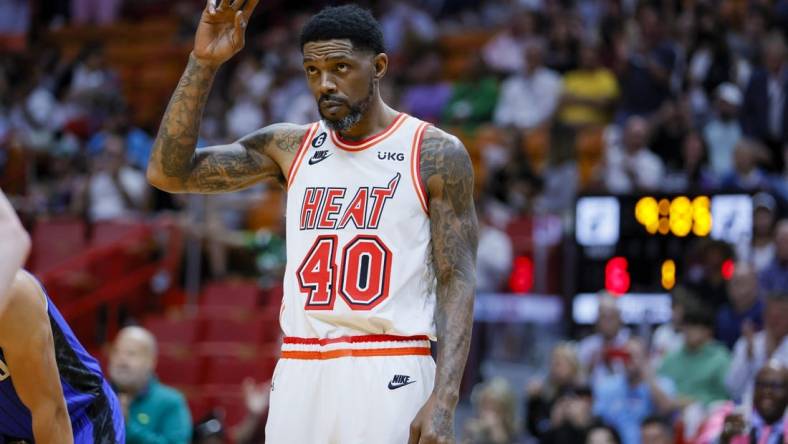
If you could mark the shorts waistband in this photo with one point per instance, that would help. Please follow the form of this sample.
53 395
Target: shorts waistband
354 346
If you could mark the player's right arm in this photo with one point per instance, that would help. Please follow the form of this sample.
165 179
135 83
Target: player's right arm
29 351
176 165
15 247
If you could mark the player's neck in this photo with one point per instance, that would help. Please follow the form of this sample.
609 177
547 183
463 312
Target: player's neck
377 118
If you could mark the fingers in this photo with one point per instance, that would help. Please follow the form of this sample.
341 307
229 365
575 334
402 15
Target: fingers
249 7
239 28
223 4
209 6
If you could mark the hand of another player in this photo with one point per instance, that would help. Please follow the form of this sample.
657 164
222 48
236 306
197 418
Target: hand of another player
220 34
256 396
434 424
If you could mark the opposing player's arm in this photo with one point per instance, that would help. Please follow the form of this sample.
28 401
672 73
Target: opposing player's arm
448 175
16 246
29 350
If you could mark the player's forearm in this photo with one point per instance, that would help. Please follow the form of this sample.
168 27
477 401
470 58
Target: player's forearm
173 150
51 424
454 321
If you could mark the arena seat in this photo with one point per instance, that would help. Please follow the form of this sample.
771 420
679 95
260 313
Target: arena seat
55 241
237 294
174 331
257 327
179 368
233 370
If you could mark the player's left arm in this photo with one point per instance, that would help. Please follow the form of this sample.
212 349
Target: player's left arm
29 350
447 172
15 247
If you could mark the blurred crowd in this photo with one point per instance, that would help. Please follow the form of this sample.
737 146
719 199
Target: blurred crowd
681 96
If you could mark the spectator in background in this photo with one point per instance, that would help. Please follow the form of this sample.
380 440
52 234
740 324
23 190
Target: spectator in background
494 421
760 250
765 109
698 369
112 189
724 131
92 75
504 52
746 175
655 430
565 374
571 417
754 349
528 100
624 400
603 434
669 127
562 43
137 142
473 97
629 165
692 174
494 256
209 431
610 335
589 91
743 307
426 95
154 412
668 337
97 12
404 21
767 422
645 80
774 278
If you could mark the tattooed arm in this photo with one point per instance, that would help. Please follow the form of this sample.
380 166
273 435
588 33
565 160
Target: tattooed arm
447 172
175 165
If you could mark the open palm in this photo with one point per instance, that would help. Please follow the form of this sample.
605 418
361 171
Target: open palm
220 33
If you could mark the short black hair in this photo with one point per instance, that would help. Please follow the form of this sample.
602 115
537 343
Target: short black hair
345 22
656 420
699 317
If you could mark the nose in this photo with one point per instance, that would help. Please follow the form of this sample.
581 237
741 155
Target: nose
327 85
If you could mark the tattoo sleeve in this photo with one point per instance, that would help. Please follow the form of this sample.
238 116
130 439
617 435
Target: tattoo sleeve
177 166
447 172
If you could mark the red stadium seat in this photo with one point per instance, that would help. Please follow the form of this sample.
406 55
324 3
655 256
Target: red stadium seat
232 370
181 331
55 241
179 368
237 294
249 328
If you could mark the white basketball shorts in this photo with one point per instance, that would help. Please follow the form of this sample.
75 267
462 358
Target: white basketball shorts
349 390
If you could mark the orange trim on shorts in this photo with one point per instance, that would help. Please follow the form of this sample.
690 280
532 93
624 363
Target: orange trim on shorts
357 353
415 167
302 149
369 141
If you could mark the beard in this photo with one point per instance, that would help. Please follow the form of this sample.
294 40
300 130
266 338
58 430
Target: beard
355 113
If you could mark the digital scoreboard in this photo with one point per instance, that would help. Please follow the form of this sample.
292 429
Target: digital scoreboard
637 244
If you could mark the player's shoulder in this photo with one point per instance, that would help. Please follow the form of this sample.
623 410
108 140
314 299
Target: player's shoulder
286 137
443 153
26 303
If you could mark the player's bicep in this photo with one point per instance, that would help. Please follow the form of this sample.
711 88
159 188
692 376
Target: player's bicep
448 175
263 154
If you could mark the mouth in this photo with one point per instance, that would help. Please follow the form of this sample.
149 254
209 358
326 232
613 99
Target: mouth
332 106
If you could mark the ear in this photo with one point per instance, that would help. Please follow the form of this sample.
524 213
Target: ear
381 65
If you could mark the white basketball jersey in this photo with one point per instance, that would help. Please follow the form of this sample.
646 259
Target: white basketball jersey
358 236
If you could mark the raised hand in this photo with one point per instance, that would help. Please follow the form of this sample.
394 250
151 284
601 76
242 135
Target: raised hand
220 34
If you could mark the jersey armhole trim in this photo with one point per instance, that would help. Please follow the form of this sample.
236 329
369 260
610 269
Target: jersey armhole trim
299 157
415 167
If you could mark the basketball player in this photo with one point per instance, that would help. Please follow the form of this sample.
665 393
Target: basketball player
51 390
381 235
15 246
